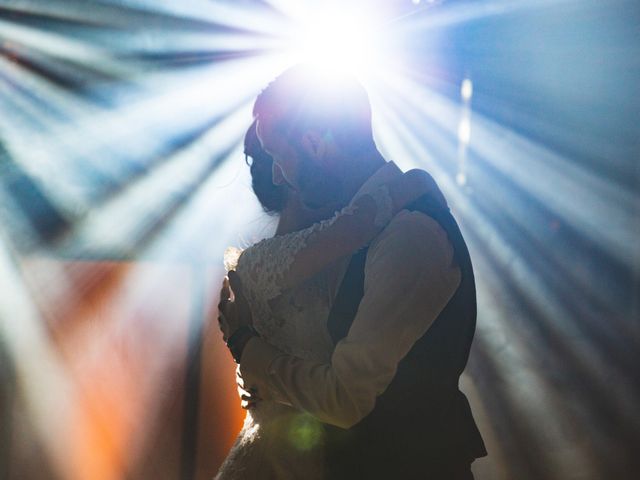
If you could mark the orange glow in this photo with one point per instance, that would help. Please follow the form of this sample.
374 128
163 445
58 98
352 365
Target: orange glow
120 331
221 417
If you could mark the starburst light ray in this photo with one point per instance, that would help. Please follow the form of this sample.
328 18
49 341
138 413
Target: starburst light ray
122 181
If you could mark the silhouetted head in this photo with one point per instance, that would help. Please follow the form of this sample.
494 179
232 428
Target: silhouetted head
272 197
316 128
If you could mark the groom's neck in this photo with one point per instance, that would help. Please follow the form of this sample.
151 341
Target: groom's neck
359 171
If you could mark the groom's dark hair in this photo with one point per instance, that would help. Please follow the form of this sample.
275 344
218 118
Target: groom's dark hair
335 104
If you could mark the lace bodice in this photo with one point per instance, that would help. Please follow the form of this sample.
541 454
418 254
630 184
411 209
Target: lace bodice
293 320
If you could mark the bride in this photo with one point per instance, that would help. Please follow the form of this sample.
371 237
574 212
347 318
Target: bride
285 282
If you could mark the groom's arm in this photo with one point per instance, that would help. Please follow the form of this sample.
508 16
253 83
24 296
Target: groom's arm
409 279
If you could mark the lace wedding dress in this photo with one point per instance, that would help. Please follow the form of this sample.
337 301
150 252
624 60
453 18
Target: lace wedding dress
278 441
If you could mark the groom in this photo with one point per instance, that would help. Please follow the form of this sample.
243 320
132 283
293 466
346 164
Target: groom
403 309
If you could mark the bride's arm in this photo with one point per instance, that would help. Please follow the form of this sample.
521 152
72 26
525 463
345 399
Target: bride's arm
279 263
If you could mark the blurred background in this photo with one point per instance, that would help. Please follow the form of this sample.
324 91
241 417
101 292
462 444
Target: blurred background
122 181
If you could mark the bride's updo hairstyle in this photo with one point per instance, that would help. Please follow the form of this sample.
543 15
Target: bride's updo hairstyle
271 197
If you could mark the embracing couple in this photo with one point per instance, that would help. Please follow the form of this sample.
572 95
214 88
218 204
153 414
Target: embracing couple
352 325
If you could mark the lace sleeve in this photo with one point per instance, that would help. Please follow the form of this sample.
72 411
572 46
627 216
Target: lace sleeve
273 265
384 206
264 266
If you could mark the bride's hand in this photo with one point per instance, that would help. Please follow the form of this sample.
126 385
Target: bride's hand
233 309
413 184
248 396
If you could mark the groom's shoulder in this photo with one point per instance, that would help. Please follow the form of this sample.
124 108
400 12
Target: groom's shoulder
410 237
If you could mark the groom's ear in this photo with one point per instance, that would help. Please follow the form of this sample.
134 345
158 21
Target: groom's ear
314 143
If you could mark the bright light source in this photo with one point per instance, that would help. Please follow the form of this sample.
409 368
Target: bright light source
464 131
336 40
466 90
